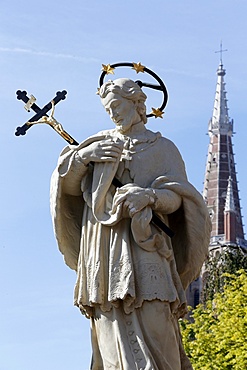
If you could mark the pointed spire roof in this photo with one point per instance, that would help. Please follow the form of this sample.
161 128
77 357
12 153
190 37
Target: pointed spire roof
229 205
221 194
220 122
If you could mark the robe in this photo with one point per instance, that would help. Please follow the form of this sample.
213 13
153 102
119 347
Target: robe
127 267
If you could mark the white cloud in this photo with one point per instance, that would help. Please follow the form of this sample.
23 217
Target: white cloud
47 54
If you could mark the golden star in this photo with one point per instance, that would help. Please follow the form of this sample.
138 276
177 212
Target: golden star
157 113
108 69
138 67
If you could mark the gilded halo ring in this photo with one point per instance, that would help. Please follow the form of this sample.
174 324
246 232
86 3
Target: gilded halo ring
138 67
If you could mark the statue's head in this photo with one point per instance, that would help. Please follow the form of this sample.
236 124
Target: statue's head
124 100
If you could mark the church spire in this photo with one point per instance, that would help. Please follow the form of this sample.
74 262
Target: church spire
220 190
220 122
220 193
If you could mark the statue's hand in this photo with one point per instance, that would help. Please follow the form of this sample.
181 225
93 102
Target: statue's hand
106 150
134 199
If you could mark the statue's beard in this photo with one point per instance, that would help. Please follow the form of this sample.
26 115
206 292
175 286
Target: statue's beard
124 125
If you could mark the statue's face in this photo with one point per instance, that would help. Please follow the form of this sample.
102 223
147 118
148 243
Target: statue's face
121 110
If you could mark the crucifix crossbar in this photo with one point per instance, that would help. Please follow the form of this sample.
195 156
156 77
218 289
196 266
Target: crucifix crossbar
41 114
221 51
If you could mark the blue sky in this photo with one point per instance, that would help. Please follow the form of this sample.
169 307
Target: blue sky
50 46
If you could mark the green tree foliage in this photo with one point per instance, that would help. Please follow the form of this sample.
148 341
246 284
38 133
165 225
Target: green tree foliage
228 261
216 339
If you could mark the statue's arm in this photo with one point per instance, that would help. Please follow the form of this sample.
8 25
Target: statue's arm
76 165
72 177
167 200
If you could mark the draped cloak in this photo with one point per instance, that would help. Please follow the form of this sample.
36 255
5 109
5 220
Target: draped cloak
131 277
128 260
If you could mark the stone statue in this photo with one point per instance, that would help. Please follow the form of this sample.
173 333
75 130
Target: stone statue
131 277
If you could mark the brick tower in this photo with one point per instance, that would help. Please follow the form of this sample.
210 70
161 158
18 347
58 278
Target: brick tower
220 190
220 185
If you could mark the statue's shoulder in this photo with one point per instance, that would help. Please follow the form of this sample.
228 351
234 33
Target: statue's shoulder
164 142
109 132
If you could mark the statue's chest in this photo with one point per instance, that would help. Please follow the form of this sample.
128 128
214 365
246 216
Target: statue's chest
142 165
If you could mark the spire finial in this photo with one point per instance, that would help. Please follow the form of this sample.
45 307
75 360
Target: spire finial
221 51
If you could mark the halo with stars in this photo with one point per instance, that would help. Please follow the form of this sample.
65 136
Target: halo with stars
138 67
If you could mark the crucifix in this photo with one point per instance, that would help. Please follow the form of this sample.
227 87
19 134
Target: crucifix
41 115
221 51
